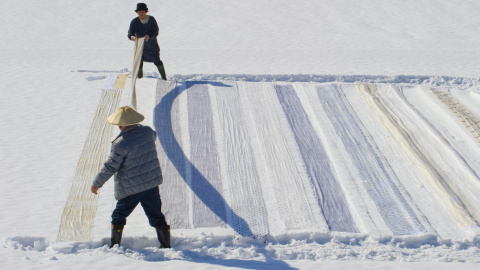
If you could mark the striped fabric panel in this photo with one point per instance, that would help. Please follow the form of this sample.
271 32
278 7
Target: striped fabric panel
319 168
174 190
205 179
246 206
372 169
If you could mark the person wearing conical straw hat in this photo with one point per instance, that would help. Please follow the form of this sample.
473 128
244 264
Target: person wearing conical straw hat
134 162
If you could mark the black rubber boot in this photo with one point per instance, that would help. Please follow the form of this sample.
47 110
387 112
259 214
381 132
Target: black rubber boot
140 73
161 69
117 231
163 235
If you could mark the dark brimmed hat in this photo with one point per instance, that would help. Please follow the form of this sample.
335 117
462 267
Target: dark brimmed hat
141 6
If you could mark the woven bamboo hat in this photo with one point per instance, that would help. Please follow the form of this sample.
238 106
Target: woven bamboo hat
125 116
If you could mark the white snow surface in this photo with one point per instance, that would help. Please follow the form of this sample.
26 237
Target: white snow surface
292 135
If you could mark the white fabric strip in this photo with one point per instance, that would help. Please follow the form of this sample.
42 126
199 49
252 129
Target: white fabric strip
137 58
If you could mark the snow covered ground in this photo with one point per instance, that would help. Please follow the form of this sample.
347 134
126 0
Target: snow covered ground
338 134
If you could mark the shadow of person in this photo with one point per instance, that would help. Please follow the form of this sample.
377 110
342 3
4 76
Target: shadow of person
202 188
269 262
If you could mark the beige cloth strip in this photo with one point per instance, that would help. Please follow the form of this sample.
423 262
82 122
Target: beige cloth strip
120 81
137 58
79 213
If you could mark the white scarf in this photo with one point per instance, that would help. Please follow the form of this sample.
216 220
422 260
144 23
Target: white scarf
145 21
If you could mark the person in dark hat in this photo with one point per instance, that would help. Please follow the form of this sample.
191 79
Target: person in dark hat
146 26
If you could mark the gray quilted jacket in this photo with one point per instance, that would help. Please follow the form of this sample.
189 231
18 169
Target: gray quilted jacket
133 159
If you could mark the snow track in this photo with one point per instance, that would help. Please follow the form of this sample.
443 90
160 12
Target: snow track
79 212
471 122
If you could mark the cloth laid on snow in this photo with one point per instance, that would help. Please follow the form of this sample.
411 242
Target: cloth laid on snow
79 212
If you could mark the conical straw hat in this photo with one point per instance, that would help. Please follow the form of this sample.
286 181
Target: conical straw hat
125 116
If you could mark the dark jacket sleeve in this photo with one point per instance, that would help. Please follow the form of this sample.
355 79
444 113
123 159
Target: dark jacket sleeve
131 30
111 166
154 30
154 134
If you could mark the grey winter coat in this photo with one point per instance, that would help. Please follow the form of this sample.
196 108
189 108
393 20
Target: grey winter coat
133 159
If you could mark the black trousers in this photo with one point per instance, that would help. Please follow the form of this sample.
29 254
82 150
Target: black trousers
155 63
151 203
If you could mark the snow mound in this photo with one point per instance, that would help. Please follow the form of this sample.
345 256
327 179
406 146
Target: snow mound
207 247
404 79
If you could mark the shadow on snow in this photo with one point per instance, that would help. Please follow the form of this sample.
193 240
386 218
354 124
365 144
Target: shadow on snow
202 188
